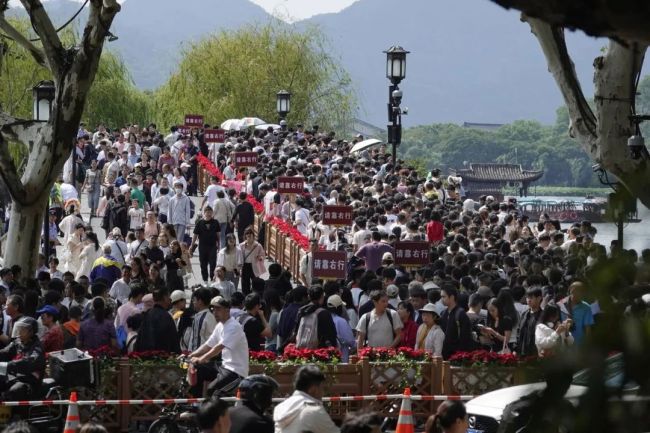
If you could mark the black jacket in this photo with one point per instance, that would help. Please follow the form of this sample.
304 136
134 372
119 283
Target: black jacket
247 419
526 337
158 332
458 332
26 362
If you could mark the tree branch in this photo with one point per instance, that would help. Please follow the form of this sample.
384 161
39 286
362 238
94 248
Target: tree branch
49 38
627 21
11 31
9 174
551 40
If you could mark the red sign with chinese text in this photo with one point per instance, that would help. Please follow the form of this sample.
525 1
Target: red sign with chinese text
245 159
411 253
214 135
337 215
291 185
184 130
329 264
194 120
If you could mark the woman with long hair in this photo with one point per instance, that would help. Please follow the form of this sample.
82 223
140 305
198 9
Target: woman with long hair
97 330
73 247
138 273
91 252
551 333
499 327
231 258
174 263
155 280
451 417
406 314
253 260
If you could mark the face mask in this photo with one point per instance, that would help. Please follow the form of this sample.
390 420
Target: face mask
179 191
551 325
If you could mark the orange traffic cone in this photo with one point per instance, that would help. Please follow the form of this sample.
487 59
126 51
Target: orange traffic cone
72 418
405 420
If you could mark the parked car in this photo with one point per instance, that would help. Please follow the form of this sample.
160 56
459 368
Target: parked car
486 412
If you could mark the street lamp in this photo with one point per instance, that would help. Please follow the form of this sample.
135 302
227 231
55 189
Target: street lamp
283 103
43 98
395 72
43 94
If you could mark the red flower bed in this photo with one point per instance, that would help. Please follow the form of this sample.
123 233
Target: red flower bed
262 356
104 352
289 230
483 358
291 353
209 166
389 354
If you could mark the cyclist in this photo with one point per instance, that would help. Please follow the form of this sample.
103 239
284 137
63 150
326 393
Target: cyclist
256 392
23 362
229 340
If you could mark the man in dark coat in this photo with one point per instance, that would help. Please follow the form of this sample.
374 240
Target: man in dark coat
158 331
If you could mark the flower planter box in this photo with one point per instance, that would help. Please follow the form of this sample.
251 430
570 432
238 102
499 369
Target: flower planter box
476 380
342 379
109 388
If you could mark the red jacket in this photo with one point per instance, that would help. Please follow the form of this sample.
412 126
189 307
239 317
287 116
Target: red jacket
435 231
409 333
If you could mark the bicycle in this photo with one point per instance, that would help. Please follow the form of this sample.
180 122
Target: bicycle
177 417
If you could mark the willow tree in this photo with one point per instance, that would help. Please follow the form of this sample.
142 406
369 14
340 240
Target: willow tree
73 69
237 74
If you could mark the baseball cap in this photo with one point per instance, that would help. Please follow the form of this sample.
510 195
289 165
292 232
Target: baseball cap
335 301
49 309
392 290
116 231
387 256
177 295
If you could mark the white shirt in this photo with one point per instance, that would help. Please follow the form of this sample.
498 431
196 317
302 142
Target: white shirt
302 220
211 192
235 346
120 291
68 192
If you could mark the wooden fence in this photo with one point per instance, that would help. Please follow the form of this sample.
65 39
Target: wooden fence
122 379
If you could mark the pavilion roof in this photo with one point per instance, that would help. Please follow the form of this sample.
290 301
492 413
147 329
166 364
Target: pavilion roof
491 172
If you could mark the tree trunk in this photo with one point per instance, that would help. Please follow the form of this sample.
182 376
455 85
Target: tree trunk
24 235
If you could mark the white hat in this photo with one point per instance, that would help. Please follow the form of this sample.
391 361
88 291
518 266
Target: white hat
429 308
392 290
335 301
116 231
177 295
387 256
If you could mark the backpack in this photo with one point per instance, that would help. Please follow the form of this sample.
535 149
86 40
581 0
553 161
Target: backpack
390 319
307 336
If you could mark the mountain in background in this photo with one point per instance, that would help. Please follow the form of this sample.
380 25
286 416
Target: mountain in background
470 60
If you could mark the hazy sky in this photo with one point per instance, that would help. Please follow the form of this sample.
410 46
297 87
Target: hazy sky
299 9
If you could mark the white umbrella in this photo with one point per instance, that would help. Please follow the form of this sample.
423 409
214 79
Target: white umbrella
231 125
265 126
365 144
251 121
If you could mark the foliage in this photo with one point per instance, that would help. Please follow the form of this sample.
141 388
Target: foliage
237 74
405 359
524 142
113 98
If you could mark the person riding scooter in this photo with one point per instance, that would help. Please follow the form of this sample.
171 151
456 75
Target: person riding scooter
256 393
22 363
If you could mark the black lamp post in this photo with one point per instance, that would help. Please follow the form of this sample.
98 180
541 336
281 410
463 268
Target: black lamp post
283 104
395 72
43 94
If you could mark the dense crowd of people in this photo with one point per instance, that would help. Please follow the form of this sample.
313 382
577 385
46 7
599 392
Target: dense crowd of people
494 280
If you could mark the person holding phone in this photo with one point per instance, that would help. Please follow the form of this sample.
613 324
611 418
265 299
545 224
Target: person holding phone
551 334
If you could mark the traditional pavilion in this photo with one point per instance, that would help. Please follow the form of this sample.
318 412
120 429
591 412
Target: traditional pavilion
490 179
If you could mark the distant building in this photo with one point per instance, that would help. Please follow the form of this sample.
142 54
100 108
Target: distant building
482 126
490 179
368 130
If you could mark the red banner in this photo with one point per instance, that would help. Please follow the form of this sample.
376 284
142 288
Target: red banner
245 159
337 215
214 135
184 130
194 120
291 185
411 253
329 264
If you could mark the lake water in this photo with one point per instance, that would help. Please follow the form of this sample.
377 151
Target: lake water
636 235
